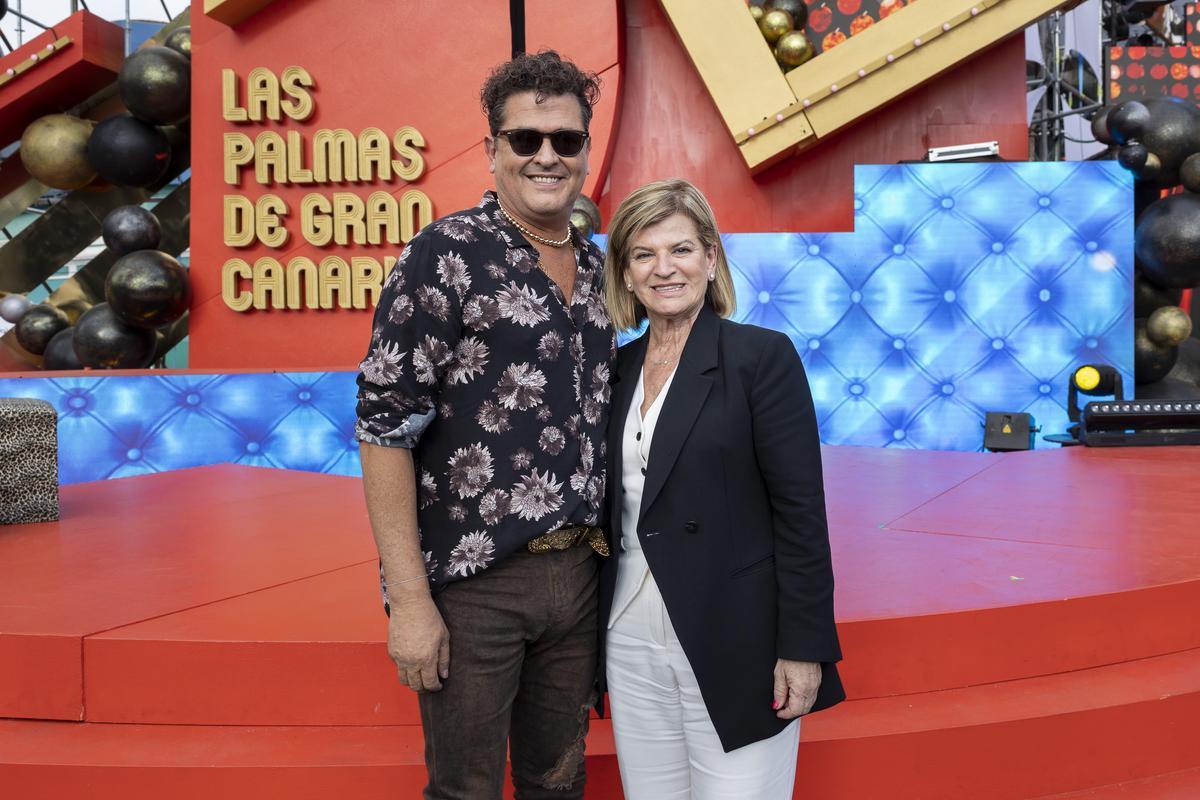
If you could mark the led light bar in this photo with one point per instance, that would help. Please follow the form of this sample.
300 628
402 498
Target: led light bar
959 152
1111 423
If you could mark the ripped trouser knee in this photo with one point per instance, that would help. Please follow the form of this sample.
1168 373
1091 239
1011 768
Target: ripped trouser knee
564 778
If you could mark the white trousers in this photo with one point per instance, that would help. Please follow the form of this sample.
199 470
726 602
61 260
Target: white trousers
667 748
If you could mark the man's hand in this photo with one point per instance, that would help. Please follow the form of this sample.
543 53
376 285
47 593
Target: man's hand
796 684
419 644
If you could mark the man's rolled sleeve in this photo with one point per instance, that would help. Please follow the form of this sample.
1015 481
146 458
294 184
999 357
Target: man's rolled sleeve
416 327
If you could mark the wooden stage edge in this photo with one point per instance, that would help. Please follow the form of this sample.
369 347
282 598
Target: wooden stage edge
1014 626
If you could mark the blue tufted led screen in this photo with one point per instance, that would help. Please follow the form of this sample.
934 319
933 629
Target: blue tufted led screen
110 427
964 288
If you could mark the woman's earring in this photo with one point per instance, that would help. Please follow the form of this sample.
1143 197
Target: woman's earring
629 287
712 276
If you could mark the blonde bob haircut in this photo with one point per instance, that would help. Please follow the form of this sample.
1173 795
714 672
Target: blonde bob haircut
649 205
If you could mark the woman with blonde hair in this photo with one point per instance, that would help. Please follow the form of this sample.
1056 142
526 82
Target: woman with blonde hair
717 605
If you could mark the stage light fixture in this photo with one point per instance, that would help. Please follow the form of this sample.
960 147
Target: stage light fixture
1124 423
1093 380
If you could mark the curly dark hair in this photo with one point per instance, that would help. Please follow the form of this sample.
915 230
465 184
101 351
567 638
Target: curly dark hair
548 75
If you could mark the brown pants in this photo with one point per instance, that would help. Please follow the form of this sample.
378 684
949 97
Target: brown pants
522 672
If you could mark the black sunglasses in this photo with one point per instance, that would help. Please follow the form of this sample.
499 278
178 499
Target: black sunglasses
526 142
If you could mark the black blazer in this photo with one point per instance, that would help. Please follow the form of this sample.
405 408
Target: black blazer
732 519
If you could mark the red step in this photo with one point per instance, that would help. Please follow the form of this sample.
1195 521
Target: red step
993 649
918 610
1183 785
1016 739
311 651
137 548
1010 740
52 760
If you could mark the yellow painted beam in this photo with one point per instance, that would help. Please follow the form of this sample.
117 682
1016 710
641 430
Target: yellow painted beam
932 40
735 63
233 12
771 116
34 60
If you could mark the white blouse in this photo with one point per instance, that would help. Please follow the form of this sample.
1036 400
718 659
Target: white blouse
635 456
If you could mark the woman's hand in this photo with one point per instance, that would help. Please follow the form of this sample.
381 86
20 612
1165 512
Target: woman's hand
796 684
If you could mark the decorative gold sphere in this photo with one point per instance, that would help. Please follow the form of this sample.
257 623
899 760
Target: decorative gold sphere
1169 326
757 13
586 216
54 151
775 24
582 223
793 49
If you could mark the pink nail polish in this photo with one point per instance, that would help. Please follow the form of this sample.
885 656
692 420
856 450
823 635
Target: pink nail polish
775 705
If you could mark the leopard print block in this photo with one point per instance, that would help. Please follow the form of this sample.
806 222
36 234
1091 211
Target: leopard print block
28 461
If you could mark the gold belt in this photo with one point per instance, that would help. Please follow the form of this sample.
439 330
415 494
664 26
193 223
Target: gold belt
566 538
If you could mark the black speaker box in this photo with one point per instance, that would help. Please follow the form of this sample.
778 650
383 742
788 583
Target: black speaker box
1004 431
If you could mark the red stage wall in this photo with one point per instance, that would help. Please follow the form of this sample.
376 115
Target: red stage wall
389 69
669 127
373 65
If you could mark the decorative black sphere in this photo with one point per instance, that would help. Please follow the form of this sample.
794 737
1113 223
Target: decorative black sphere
1167 241
1171 135
1170 388
1100 126
1148 297
147 289
1128 121
1189 173
155 85
37 327
129 228
1133 156
1138 159
1151 361
1187 366
180 40
1145 194
128 152
179 139
104 342
60 353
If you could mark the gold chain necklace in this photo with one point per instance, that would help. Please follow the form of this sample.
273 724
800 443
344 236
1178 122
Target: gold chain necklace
530 234
658 362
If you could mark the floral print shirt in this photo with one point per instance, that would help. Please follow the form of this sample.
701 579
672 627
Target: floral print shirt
500 389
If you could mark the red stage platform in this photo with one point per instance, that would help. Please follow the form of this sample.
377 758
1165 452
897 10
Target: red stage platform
1014 626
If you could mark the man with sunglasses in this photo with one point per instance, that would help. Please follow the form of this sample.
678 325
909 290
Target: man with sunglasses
482 407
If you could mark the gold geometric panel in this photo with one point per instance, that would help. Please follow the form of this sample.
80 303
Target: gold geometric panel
771 115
